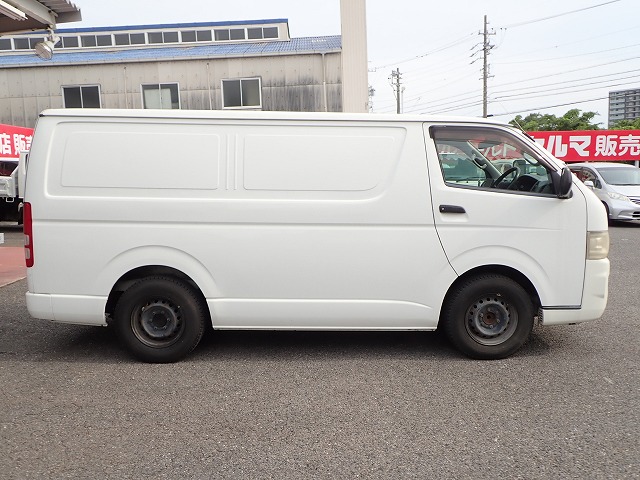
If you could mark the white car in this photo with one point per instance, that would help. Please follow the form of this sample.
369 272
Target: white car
617 185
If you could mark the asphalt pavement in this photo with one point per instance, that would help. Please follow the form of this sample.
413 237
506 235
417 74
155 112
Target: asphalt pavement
289 405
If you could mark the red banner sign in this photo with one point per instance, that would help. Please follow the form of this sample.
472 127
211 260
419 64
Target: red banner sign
13 140
591 145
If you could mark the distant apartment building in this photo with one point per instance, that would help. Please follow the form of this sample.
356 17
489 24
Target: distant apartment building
624 105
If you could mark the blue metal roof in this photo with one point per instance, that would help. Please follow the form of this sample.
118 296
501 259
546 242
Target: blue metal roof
176 52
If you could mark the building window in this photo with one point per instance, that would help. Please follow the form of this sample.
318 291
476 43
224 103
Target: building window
34 41
21 43
5 44
82 96
170 37
155 37
88 40
270 32
122 39
242 93
137 39
260 32
236 34
161 95
163 37
188 35
130 39
70 42
203 35
222 35
254 33
96 40
104 40
230 34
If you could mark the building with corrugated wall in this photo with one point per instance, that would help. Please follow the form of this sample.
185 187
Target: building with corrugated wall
217 65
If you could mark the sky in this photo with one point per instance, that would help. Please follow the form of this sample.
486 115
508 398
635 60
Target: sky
547 56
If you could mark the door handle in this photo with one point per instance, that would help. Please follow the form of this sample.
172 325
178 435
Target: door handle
451 209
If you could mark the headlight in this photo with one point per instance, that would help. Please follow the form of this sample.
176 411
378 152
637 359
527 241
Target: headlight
618 196
597 245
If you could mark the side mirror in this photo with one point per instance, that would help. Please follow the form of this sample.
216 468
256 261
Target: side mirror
589 183
562 182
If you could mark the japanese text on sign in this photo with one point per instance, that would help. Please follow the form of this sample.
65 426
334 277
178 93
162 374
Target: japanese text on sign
602 145
13 140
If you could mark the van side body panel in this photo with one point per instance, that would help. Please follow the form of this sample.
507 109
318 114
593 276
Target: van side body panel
280 224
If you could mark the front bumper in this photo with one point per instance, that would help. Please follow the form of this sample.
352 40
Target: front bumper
594 297
619 210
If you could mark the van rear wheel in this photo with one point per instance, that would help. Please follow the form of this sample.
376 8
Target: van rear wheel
160 319
488 317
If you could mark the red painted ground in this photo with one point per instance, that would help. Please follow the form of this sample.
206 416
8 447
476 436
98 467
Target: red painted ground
12 266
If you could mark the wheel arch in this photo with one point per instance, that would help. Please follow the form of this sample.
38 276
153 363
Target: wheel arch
131 265
504 270
138 273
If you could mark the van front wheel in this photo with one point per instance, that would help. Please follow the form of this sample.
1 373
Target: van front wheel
160 319
488 317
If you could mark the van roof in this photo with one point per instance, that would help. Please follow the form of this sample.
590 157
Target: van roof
258 115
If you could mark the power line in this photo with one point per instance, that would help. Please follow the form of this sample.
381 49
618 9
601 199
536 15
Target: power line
528 22
567 71
568 56
617 75
453 100
458 107
580 41
436 50
496 96
527 96
553 106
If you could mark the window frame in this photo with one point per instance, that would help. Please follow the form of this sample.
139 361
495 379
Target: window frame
485 185
160 85
241 106
81 87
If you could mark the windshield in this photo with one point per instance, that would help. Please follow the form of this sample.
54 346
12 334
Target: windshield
621 176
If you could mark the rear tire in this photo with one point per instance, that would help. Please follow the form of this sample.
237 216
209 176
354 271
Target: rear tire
160 319
488 317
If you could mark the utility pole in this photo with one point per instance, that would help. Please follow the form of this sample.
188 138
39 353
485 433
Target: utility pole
372 92
486 47
396 84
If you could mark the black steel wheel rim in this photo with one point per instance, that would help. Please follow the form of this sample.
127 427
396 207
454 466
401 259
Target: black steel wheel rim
491 320
158 323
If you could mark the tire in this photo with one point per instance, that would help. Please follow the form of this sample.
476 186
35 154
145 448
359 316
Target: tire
160 319
488 317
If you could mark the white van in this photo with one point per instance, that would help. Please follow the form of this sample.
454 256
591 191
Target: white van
158 222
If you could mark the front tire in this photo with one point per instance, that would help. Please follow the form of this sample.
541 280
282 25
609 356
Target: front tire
160 319
488 317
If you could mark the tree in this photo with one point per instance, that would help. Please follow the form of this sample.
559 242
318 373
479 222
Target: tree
572 120
626 125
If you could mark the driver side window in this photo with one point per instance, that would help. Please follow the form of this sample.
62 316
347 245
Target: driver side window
489 158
